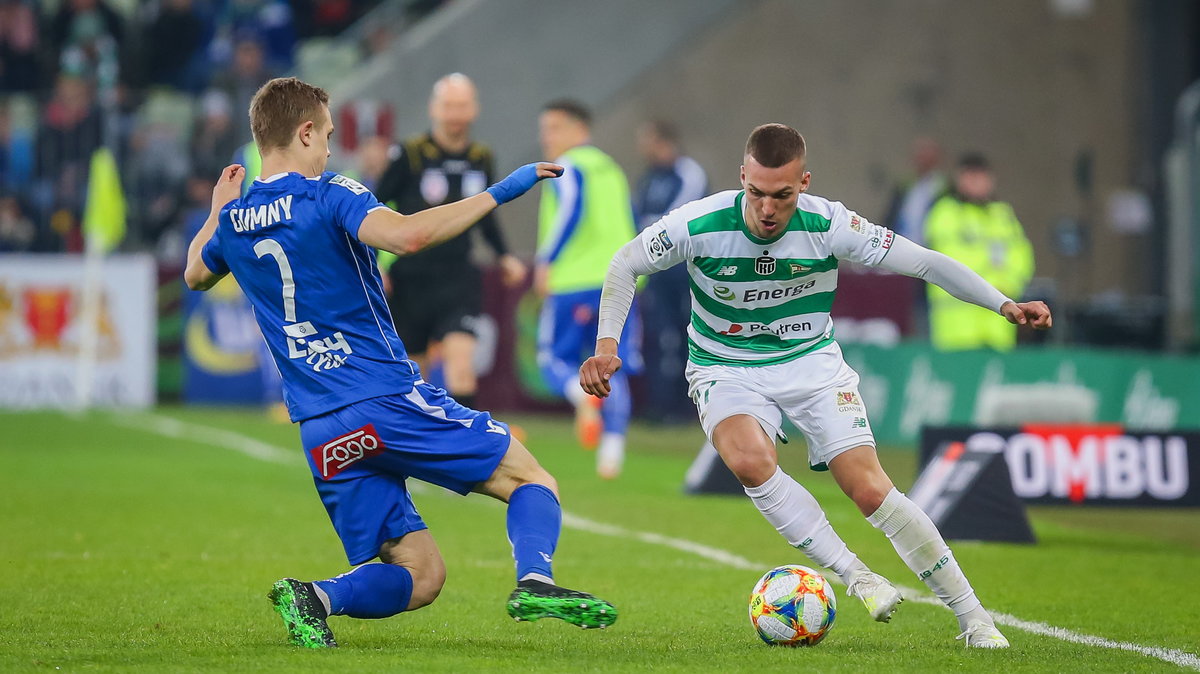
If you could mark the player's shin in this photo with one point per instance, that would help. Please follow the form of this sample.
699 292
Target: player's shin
923 549
534 522
369 591
798 517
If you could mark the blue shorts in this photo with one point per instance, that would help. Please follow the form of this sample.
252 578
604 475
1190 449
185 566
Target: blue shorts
567 331
361 454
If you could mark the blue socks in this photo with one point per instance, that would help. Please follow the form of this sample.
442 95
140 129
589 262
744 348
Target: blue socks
534 521
370 591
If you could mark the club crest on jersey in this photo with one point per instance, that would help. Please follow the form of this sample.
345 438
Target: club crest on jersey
338 454
765 265
434 186
796 268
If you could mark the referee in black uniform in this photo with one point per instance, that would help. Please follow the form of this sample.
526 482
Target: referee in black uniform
435 294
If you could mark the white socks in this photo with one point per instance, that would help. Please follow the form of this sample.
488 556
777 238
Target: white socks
610 455
922 548
798 517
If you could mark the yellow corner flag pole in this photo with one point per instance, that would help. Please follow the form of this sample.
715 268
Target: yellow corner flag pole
103 229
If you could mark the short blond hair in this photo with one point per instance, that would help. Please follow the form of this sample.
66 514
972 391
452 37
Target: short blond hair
280 106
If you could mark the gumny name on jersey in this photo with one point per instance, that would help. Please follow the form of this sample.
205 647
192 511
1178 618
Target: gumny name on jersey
261 217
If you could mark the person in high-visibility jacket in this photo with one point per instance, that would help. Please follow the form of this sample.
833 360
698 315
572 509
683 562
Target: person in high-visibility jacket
969 225
585 217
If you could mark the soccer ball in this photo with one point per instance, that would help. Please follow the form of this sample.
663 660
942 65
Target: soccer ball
792 606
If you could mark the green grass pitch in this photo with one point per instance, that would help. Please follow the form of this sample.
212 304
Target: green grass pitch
123 549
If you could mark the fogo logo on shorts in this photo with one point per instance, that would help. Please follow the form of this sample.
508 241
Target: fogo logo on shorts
336 455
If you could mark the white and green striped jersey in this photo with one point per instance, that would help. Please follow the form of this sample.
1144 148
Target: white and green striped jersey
757 302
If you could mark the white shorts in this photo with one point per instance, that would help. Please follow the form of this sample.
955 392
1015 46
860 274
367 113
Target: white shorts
818 392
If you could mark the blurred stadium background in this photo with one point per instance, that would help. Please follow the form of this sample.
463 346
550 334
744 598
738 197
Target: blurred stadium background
116 115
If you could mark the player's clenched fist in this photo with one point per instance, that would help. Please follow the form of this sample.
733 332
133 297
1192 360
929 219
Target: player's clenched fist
229 186
595 373
1034 314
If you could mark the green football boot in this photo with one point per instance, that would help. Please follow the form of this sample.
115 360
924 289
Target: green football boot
533 600
302 612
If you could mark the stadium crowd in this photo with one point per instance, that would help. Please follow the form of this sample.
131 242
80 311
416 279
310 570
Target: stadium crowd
158 82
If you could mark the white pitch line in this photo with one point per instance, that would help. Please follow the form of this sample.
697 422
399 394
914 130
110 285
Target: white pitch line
207 435
257 449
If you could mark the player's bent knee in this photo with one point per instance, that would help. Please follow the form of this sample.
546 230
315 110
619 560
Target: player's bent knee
427 585
751 466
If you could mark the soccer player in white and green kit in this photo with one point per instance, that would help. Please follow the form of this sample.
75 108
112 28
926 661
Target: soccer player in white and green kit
763 263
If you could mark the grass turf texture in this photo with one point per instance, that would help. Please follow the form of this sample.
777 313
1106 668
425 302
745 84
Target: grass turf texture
127 550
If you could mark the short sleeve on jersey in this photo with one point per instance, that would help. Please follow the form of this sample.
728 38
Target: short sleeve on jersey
349 202
854 238
212 256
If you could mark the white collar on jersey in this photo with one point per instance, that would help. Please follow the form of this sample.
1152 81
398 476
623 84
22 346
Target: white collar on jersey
277 176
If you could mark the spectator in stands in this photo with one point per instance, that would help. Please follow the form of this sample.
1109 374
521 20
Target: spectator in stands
268 23
215 138
240 82
325 18
17 230
86 34
16 153
671 180
585 218
912 200
971 226
174 41
70 131
19 42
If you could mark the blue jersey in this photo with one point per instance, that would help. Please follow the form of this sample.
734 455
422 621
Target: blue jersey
292 244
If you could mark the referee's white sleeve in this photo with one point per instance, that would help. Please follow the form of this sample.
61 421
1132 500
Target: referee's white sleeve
956 278
620 284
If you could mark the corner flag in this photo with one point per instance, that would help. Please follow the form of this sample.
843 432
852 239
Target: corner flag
104 211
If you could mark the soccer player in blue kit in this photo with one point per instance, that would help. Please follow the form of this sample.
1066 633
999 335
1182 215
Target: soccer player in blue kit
300 245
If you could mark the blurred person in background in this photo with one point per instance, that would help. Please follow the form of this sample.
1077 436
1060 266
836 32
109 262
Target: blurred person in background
16 152
268 23
971 226
435 295
374 156
671 180
85 35
70 131
248 72
174 35
215 138
585 217
17 231
19 60
913 199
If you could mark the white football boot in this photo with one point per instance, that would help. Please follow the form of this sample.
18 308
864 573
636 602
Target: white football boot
980 634
879 596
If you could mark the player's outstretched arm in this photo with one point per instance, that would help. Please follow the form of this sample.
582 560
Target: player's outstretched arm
197 275
910 259
401 234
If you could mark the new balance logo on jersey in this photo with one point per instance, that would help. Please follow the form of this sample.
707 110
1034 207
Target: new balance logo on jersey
728 270
260 217
338 454
321 354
